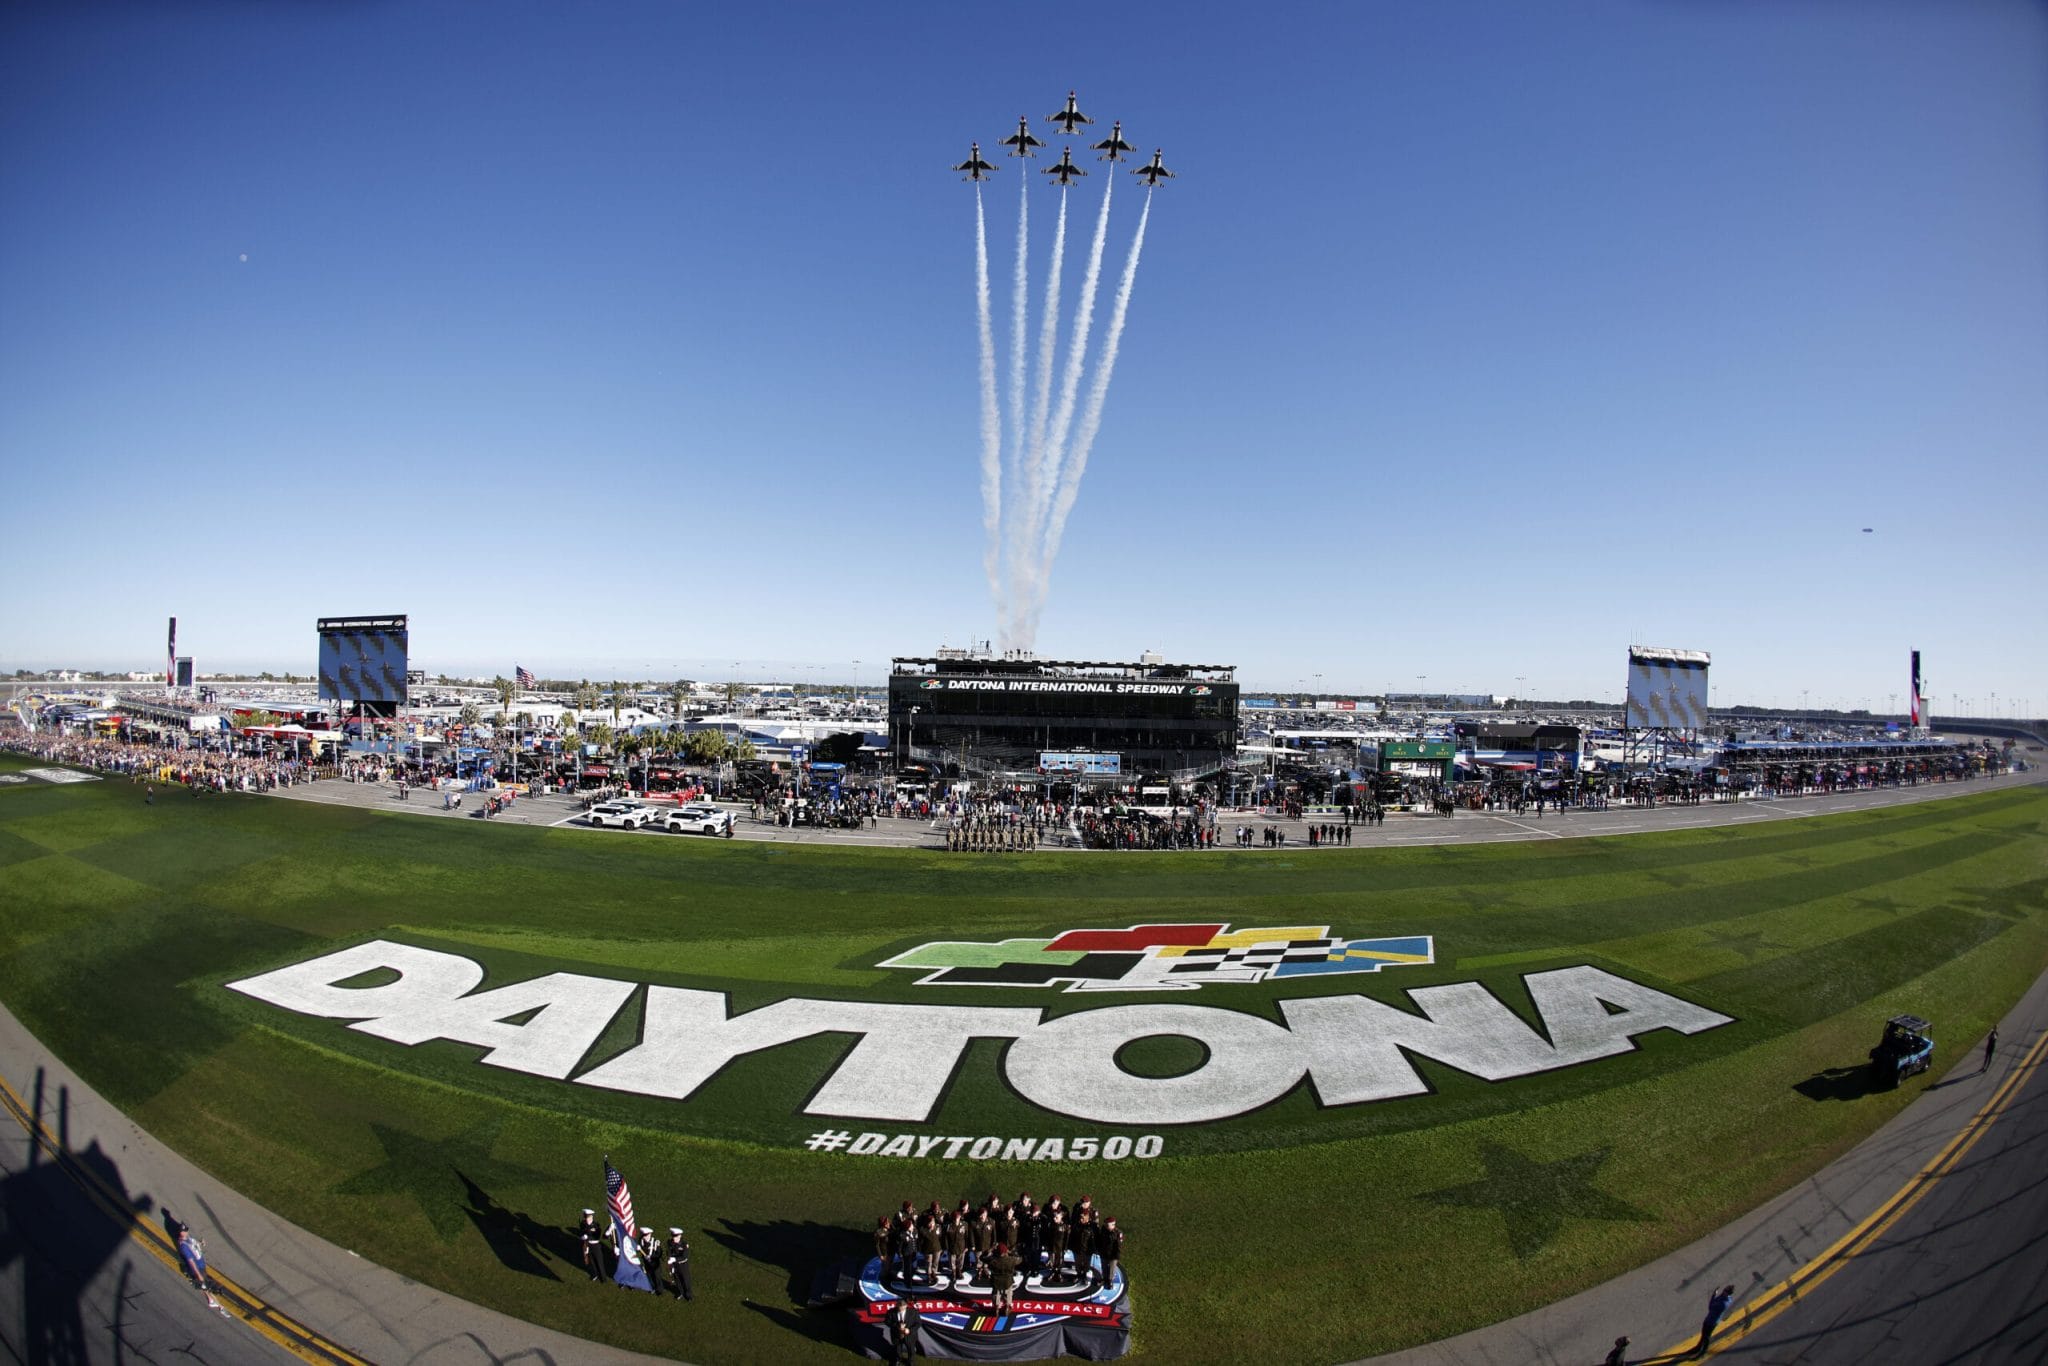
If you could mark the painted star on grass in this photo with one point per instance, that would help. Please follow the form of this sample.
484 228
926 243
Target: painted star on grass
438 1173
1751 946
1535 1198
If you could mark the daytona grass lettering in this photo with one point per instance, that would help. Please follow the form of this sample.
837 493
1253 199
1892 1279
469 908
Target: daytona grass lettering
1348 1049
987 1148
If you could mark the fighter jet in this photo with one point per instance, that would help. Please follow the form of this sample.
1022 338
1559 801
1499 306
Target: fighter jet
1065 170
1154 172
1023 142
1113 147
1069 117
976 168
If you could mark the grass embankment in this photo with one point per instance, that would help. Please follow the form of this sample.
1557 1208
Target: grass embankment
1294 1233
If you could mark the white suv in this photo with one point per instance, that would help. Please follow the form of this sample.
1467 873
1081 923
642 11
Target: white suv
624 815
699 820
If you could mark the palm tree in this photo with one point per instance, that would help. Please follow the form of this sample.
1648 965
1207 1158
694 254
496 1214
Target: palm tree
506 691
630 745
469 715
586 697
618 688
678 694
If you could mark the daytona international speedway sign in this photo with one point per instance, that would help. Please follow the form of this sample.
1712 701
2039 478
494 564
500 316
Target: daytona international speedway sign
1351 1049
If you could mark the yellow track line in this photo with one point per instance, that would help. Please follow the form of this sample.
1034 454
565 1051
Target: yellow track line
1786 1293
236 1300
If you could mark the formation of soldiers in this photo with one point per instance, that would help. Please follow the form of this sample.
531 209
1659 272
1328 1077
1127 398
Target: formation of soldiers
997 1244
977 838
656 1257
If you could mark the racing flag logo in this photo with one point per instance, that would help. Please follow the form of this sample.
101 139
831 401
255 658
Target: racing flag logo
1158 957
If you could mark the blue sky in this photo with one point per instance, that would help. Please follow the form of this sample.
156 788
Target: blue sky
1473 342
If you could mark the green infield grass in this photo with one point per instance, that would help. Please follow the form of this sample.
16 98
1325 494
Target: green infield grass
1294 1231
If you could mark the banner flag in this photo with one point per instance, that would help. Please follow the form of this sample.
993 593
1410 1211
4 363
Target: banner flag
627 1270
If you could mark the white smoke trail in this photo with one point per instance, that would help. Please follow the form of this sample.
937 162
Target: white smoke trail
1048 338
1020 327
1051 453
991 418
1020 343
1091 423
1021 531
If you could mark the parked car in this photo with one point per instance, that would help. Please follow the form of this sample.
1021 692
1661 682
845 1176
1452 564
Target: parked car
699 820
623 815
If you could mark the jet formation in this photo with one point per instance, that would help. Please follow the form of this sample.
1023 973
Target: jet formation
1022 144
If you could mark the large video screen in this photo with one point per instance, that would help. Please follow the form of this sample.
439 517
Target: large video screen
1667 689
363 659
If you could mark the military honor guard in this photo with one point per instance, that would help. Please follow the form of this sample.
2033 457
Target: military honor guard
956 1245
649 1243
676 1257
903 1233
1082 1239
983 1235
1027 1244
1055 1237
592 1239
928 1245
1008 1231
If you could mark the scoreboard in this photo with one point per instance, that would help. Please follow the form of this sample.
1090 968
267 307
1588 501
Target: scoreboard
363 659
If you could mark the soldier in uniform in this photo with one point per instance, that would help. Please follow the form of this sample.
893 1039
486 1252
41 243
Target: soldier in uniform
1109 1243
883 1238
1027 1232
1008 1230
1002 1276
1082 1239
956 1246
1055 1224
650 1256
677 1259
1045 1226
928 1245
983 1233
903 1244
592 1239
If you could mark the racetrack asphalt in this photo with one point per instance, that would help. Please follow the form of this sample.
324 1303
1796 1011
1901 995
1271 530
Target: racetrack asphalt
1922 1245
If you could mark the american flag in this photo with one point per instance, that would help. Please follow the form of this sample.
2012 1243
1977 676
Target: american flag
619 1197
526 679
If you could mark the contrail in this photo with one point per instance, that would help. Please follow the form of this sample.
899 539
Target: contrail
1050 454
1091 423
1031 484
991 418
1020 326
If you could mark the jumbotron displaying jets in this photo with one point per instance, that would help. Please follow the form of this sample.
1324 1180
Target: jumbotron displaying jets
976 168
1065 170
1113 147
1154 172
1069 117
1021 142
